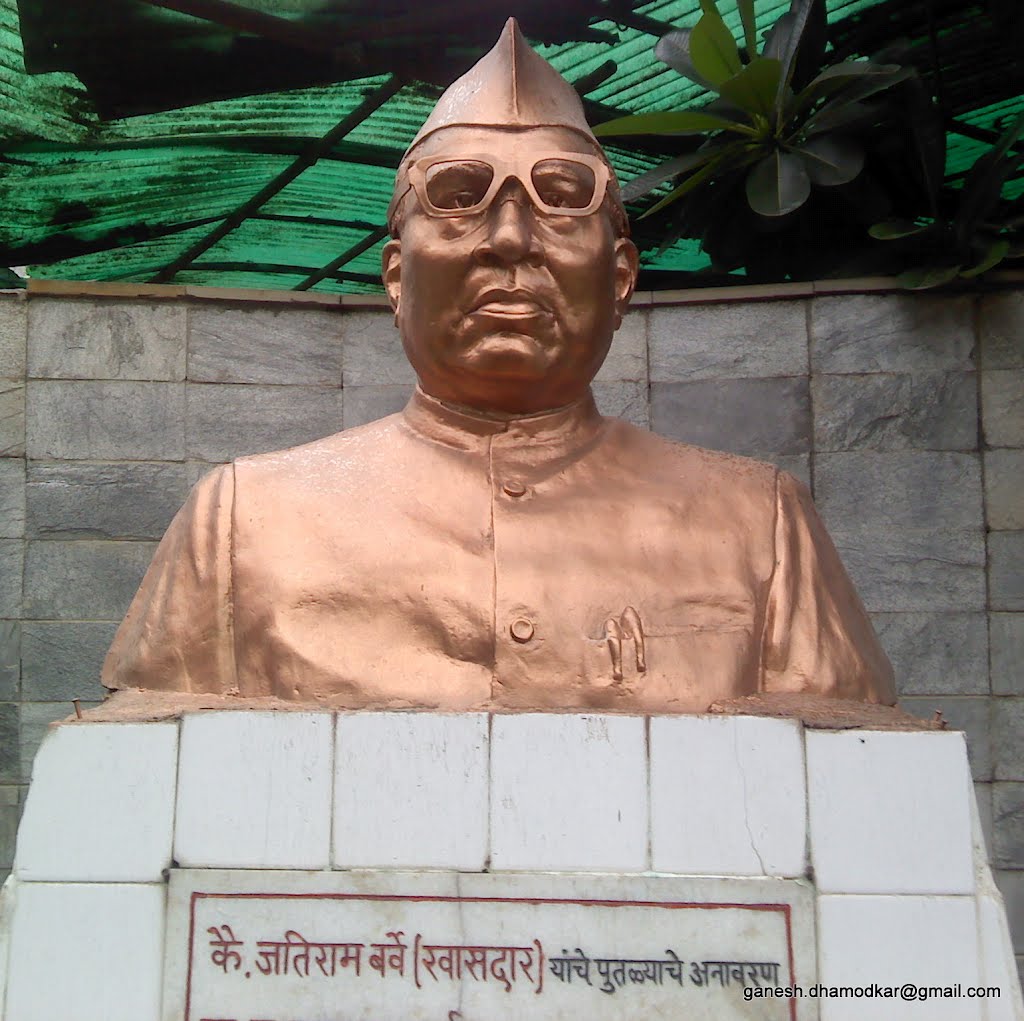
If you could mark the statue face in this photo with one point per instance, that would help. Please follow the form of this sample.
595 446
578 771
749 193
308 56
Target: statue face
508 281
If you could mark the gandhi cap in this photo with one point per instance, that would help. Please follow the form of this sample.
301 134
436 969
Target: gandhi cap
509 87
515 88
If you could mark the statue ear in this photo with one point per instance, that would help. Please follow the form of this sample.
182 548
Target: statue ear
391 272
627 266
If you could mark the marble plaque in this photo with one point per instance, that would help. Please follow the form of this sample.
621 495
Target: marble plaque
376 946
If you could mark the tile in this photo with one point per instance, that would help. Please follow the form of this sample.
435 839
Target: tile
12 498
373 350
1002 407
12 573
10 813
89 580
1008 738
1006 642
10 730
410 790
85 420
254 790
756 417
971 714
925 941
996 961
13 333
10 660
94 339
104 500
913 570
252 344
365 404
889 812
1004 488
1011 887
8 887
568 793
36 718
742 340
1006 570
12 418
627 358
108 939
101 805
61 660
1001 329
727 796
983 803
892 333
1008 819
431 945
626 399
904 489
936 653
923 411
226 421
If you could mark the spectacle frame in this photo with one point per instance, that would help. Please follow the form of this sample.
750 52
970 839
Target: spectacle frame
558 183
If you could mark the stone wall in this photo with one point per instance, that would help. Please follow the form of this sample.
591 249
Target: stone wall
904 413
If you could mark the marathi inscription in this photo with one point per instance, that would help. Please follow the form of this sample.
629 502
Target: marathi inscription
344 954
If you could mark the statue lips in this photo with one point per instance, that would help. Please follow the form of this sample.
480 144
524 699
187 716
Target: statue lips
516 304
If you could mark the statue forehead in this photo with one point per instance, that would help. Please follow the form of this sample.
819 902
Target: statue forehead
465 138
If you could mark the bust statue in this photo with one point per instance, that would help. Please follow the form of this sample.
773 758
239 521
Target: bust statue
500 544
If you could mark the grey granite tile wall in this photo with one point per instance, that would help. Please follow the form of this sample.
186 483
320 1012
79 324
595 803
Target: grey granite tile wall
906 413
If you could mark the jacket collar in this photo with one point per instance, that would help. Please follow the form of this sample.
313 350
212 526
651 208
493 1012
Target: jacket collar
559 431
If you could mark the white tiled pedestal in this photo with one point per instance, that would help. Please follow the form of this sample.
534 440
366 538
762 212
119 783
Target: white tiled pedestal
874 835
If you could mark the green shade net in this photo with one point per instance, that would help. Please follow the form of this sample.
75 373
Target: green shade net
89 196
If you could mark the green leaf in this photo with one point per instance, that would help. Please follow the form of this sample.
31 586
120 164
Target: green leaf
749 22
985 180
832 159
755 87
997 251
893 230
670 122
840 74
784 41
840 115
713 50
923 277
647 182
673 49
778 184
847 89
688 185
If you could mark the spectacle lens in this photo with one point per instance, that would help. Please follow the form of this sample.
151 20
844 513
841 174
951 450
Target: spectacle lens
558 183
458 184
563 184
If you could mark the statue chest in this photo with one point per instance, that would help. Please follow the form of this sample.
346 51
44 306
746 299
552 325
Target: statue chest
510 585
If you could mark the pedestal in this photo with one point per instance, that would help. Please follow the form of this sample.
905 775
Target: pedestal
316 866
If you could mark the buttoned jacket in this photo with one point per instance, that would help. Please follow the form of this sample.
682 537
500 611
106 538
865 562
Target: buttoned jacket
438 558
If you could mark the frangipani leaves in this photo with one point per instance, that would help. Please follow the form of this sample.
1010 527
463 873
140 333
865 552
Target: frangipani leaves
832 159
778 185
680 122
713 50
754 89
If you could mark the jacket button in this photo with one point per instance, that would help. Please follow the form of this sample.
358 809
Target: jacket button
514 488
521 629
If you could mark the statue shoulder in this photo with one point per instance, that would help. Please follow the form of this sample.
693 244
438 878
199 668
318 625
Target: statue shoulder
340 453
678 460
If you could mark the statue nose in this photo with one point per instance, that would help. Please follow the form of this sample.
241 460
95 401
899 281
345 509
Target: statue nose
511 231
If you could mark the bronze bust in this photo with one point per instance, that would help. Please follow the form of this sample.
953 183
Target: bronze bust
500 544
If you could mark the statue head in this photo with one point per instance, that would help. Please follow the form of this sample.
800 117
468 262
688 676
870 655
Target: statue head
510 266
